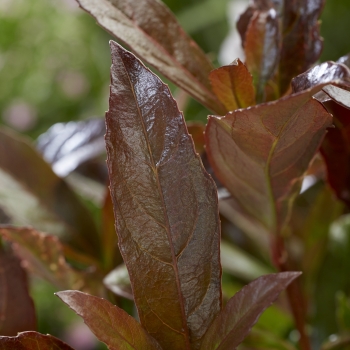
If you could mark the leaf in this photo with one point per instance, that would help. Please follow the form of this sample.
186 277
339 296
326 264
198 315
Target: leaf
345 60
118 281
243 310
261 49
261 153
336 145
196 130
109 323
324 73
17 312
31 341
67 145
165 206
233 85
152 31
32 194
43 255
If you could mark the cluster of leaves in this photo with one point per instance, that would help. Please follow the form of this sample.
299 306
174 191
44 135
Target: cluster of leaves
275 114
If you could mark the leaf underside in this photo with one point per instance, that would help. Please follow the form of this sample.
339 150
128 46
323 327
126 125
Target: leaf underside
110 324
154 34
165 206
261 153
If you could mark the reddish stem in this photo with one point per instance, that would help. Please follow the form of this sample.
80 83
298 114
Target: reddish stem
294 292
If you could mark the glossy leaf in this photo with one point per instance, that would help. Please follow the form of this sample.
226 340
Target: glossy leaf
43 255
152 31
109 323
32 341
261 153
17 311
67 145
165 206
345 60
118 281
32 194
243 310
261 49
324 73
233 85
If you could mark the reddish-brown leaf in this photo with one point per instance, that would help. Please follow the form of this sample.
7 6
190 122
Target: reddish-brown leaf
261 153
196 130
32 341
17 311
336 145
32 194
110 324
165 206
243 310
43 255
261 48
153 32
233 85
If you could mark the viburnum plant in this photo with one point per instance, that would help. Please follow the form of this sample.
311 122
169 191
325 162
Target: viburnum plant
274 115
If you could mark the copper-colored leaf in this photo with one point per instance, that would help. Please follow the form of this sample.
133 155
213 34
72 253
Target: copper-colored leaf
109 323
261 48
243 310
261 153
153 32
32 194
32 341
43 255
233 85
196 130
336 145
17 311
165 206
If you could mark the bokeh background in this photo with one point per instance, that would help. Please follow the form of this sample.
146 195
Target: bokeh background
54 67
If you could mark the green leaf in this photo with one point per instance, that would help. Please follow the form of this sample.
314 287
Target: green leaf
32 194
17 312
109 323
31 341
153 32
261 153
43 255
165 205
233 85
243 310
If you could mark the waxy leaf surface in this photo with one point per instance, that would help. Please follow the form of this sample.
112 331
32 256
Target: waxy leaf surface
345 60
32 194
261 153
67 145
32 341
17 311
153 33
233 85
110 324
165 206
243 310
43 255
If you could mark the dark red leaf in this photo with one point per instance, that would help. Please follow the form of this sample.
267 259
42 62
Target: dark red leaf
109 323
165 206
261 153
233 85
17 311
243 310
336 145
153 32
32 341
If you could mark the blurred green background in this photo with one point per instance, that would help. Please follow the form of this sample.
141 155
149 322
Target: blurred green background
54 67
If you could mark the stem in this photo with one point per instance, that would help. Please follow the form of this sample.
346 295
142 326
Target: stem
294 292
